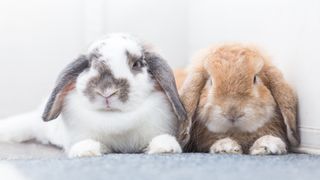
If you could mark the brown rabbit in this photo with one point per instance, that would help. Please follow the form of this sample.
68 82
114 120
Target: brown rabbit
237 102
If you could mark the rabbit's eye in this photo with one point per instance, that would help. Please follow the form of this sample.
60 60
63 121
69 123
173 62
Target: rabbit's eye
137 65
255 79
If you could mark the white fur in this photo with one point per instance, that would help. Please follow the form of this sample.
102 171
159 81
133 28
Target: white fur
86 148
115 48
14 130
164 144
226 145
268 145
126 132
84 128
120 131
218 123
255 121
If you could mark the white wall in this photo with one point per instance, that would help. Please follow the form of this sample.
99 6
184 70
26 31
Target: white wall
38 37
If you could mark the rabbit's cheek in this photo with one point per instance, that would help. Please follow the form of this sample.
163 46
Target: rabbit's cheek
217 122
255 118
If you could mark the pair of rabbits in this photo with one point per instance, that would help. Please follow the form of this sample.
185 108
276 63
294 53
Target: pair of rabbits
121 97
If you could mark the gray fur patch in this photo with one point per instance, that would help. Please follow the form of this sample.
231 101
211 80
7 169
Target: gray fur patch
64 83
135 63
161 71
106 80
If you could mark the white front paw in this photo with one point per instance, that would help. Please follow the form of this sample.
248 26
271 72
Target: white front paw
164 144
226 145
268 145
85 148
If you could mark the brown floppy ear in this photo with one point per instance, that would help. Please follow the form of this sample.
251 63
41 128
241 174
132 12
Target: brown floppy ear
190 92
64 84
163 74
286 99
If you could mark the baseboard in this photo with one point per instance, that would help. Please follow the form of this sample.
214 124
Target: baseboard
307 150
310 141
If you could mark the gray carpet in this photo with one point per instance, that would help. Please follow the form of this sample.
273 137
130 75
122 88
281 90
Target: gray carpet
44 164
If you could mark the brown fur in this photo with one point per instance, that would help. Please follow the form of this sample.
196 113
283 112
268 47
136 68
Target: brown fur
180 75
202 139
232 69
200 144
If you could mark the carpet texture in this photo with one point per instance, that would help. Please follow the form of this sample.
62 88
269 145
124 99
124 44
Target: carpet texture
53 165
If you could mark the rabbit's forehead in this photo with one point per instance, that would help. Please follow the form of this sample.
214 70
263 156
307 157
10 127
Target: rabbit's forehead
236 60
230 76
114 52
114 48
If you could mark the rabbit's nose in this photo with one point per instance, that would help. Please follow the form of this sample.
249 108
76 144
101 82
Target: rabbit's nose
110 92
233 120
234 114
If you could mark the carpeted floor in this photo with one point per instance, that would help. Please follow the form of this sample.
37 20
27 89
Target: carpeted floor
36 162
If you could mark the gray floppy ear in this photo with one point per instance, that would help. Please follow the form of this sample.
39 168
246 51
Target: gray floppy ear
162 72
64 84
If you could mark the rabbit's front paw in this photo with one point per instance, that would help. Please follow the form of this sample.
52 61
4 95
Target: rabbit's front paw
164 144
85 148
268 145
227 146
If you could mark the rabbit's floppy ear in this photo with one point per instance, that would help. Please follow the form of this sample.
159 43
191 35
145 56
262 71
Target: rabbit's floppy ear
190 93
64 84
163 74
286 99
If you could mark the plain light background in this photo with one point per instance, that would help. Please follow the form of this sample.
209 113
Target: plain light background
39 37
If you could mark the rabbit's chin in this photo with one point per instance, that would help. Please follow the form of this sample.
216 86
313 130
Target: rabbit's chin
110 106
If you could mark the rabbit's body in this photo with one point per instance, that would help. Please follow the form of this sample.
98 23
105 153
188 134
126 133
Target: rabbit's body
202 138
121 98
120 131
239 103
117 131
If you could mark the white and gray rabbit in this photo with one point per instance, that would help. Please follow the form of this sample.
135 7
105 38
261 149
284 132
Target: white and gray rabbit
120 97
